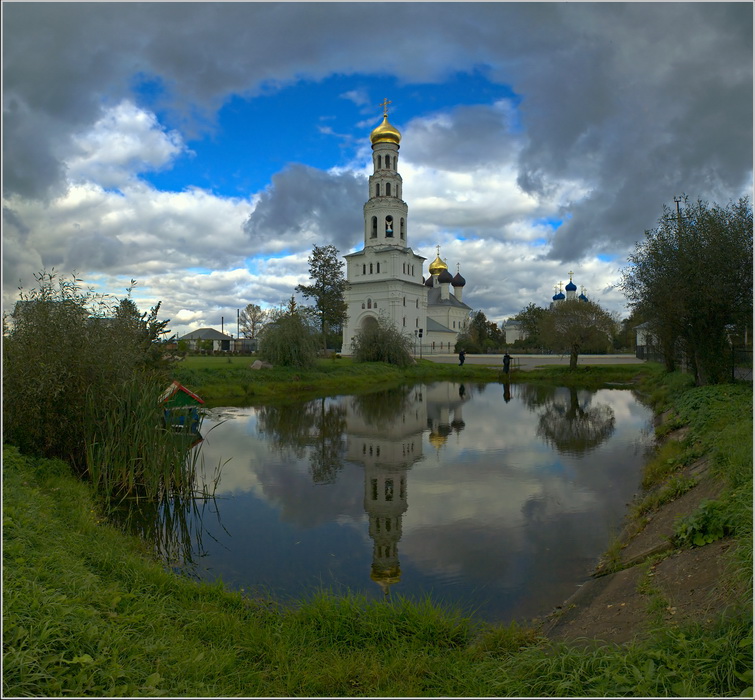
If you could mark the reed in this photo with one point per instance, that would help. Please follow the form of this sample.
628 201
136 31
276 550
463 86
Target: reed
130 452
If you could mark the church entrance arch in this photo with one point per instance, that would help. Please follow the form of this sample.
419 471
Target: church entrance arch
368 322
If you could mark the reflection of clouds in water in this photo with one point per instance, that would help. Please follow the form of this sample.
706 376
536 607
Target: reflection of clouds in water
493 502
277 476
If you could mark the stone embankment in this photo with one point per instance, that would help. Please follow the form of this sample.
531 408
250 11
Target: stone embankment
653 582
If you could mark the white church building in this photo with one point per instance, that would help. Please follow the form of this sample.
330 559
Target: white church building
385 278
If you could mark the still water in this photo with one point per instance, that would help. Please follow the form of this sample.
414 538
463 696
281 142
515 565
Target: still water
498 500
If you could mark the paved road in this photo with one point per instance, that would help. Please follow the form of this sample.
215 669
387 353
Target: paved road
532 361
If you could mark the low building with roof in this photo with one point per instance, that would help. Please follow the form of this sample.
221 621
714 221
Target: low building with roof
220 341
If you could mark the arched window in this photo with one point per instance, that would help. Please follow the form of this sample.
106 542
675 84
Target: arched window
364 269
389 226
378 268
374 227
377 189
370 268
388 189
416 301
369 303
404 303
362 304
379 162
402 228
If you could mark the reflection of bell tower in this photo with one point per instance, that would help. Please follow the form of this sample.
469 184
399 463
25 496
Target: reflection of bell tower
387 447
385 503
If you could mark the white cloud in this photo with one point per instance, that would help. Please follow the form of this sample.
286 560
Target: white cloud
124 142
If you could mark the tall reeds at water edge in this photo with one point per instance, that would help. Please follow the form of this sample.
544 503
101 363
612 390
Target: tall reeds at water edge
130 452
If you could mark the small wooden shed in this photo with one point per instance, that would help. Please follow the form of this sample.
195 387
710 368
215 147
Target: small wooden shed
180 406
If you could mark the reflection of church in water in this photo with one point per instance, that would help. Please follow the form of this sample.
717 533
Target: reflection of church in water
387 448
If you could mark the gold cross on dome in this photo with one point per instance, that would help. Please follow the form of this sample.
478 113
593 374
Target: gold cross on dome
571 274
437 248
384 104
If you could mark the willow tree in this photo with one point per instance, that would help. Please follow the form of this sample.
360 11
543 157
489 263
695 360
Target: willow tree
691 277
574 326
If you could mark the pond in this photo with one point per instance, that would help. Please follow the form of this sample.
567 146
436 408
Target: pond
496 499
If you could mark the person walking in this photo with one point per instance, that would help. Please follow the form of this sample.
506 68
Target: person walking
462 357
506 362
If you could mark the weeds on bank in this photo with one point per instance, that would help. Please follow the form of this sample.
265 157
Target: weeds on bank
669 458
671 490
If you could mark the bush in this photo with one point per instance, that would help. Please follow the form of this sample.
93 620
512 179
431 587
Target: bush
63 344
289 341
382 342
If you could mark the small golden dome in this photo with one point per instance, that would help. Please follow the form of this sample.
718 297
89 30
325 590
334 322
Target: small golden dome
437 441
386 576
436 266
385 133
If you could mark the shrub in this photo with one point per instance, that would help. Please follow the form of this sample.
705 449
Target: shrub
382 342
289 341
64 343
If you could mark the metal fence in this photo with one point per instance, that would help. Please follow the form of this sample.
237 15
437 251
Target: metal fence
741 364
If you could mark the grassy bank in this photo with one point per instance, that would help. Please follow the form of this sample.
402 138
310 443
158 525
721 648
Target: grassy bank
231 381
88 612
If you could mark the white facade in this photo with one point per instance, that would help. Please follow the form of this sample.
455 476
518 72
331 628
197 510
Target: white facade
385 277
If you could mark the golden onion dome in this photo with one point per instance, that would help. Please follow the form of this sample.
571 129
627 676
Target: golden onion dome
437 440
436 266
385 133
386 576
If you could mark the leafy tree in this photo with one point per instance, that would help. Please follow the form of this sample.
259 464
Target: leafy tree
326 271
625 336
574 326
381 341
252 319
480 335
691 277
530 317
289 339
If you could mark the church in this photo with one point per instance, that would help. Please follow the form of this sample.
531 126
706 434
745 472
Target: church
385 278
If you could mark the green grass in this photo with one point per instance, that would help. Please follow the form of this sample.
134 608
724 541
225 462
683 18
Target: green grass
230 381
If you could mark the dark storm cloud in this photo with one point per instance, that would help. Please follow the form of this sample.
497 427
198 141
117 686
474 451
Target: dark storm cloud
304 200
642 102
634 102
96 252
464 139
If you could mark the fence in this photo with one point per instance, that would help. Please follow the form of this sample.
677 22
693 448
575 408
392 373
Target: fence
741 364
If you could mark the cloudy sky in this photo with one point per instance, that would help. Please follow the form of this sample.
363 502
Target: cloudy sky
204 148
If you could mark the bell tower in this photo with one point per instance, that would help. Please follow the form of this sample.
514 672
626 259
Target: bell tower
385 213
384 279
